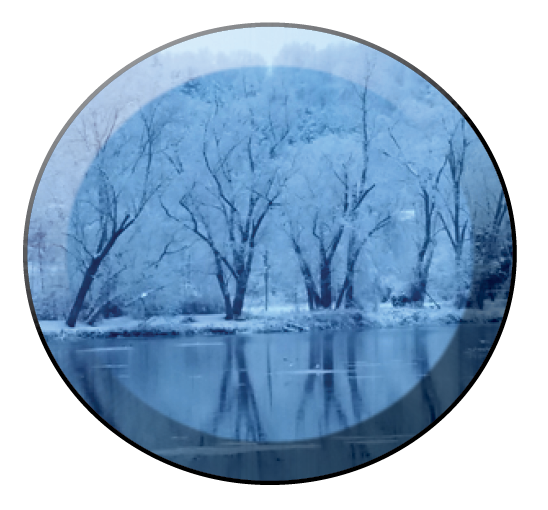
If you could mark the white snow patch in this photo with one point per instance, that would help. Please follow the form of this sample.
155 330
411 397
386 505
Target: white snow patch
280 319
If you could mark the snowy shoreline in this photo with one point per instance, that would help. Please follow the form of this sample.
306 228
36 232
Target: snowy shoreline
213 325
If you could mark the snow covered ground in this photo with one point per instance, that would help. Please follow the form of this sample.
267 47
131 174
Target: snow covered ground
275 321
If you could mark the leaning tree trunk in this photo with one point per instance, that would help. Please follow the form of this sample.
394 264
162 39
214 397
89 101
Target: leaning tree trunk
314 299
346 293
82 292
91 271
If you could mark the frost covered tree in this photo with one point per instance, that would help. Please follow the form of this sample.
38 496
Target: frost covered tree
316 228
427 180
287 161
236 163
46 284
454 220
114 193
338 213
359 188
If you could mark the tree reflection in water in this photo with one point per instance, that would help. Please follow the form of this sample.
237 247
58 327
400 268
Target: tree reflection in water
340 381
321 368
237 400
422 364
351 372
276 407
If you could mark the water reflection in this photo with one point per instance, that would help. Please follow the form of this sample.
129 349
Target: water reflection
237 407
320 385
285 387
270 407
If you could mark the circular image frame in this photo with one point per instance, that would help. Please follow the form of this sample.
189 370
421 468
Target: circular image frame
307 479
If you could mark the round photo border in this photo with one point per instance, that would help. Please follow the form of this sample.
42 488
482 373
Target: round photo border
270 25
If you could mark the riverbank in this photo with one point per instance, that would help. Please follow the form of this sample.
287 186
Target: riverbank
274 322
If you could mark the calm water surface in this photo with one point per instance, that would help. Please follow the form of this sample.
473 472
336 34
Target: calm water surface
249 406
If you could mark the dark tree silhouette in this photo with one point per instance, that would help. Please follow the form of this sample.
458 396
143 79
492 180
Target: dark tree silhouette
107 214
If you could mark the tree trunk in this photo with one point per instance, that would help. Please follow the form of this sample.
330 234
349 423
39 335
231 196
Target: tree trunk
418 288
310 295
92 270
342 293
82 292
347 290
239 296
325 284
348 287
349 301
418 291
313 297
460 297
229 314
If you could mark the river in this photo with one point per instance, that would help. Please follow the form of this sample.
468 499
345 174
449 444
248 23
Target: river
273 407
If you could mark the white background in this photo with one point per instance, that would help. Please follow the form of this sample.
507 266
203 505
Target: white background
489 452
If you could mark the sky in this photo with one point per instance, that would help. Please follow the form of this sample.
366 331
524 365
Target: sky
254 40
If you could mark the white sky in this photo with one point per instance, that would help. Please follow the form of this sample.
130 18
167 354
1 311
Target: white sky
266 41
